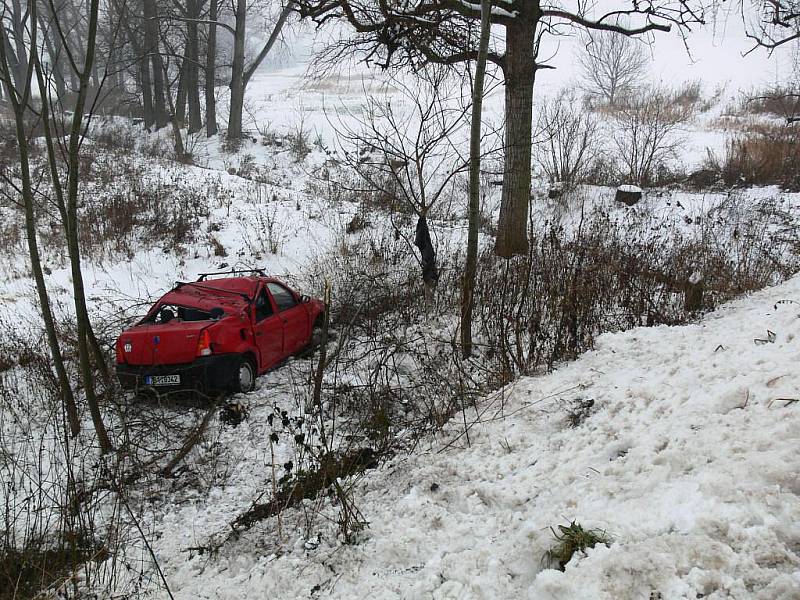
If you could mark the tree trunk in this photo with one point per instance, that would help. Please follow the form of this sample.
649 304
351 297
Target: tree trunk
237 73
192 69
180 98
180 152
11 59
54 51
152 50
471 267
148 113
520 69
73 162
240 76
211 72
19 43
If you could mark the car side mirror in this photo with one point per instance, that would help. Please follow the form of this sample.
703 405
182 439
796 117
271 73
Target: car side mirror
305 299
217 313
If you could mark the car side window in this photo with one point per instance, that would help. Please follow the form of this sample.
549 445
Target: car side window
263 306
283 297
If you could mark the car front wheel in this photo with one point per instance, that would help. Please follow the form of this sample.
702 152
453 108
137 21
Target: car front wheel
245 377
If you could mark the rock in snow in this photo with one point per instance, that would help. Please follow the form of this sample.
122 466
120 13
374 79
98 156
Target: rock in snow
628 194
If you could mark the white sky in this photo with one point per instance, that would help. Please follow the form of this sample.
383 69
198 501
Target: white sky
717 57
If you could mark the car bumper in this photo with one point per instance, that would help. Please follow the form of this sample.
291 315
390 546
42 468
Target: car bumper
206 374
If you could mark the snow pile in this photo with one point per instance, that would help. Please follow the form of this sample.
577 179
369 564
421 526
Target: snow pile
680 442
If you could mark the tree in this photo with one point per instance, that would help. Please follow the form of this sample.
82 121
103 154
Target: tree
211 70
776 22
18 91
471 264
647 135
570 138
153 52
613 65
414 32
404 149
63 164
241 70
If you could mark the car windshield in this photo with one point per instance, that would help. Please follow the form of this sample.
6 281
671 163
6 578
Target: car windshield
165 313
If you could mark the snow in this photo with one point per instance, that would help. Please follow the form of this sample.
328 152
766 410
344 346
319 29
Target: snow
687 456
687 459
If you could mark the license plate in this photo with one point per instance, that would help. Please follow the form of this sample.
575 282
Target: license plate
162 380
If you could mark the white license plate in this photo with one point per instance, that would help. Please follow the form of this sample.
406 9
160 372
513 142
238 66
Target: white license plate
162 380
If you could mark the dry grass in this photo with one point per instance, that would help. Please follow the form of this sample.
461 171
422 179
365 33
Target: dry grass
766 155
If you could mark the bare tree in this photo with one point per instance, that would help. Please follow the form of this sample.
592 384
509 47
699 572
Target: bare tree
648 134
404 149
771 23
18 91
571 138
613 65
414 32
241 70
63 143
471 264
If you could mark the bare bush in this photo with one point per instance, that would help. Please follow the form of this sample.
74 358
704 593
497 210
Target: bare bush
571 139
781 101
616 271
648 135
767 155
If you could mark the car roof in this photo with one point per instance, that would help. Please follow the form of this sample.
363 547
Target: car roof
210 293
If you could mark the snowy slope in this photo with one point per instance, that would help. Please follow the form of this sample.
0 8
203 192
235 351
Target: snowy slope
689 461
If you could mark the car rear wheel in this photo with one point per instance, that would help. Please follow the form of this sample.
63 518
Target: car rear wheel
244 377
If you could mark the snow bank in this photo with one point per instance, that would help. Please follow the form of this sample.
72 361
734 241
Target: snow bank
689 461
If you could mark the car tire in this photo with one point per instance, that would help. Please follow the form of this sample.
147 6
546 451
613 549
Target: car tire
244 376
315 339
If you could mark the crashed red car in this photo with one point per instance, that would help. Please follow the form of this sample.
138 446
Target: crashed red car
216 334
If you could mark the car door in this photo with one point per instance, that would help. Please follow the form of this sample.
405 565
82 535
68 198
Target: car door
268 330
296 328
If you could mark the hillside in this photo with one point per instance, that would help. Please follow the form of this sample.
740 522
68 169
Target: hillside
687 458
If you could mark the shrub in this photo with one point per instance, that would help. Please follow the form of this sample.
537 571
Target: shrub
621 270
770 154
780 101
648 135
113 135
573 538
571 139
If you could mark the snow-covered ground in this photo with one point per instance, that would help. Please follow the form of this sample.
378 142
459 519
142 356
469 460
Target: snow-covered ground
679 442
687 458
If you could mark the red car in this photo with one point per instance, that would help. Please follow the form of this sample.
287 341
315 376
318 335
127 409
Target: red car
216 334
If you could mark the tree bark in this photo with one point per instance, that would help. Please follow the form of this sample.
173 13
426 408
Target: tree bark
192 68
519 70
183 92
148 113
240 76
237 73
152 50
471 266
11 59
211 72
180 152
73 249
